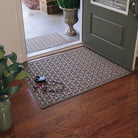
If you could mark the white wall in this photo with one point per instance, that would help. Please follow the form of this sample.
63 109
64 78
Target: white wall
11 32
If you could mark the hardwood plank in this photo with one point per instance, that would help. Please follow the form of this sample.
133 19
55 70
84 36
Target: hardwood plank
109 111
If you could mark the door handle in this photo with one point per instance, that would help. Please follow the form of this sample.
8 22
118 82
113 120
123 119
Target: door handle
134 8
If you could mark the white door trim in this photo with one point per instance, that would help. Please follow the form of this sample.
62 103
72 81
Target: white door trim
136 52
21 30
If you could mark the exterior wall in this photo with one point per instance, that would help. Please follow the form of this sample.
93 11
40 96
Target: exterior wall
11 28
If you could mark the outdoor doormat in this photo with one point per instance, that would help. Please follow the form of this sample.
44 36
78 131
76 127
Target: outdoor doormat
44 42
79 69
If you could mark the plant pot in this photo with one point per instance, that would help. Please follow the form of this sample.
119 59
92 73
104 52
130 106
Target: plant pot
6 119
70 18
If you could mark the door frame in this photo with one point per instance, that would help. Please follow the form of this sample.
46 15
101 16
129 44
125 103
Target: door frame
136 52
21 30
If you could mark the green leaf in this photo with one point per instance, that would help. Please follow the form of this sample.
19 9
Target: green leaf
12 57
1 47
3 66
2 99
10 90
7 73
2 52
14 67
22 75
69 4
8 80
0 87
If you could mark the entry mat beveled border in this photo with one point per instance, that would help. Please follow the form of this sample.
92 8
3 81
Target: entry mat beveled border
79 69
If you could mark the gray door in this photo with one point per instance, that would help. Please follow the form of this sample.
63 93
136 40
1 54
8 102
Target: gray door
110 31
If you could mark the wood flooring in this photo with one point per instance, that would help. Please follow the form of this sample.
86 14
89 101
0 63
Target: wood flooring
109 111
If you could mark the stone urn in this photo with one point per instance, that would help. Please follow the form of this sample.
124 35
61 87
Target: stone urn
70 18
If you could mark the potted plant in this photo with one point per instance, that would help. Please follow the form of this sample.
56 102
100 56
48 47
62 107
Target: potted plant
70 9
8 73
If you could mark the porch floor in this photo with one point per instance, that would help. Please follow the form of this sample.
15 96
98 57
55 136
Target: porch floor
38 23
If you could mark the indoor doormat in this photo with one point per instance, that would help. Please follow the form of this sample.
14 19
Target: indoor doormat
44 42
79 69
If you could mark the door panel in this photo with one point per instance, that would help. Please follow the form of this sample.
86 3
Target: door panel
106 30
110 33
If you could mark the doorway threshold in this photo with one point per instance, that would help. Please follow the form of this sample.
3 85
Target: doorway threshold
54 50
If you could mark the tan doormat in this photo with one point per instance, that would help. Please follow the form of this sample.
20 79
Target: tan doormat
79 69
44 42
